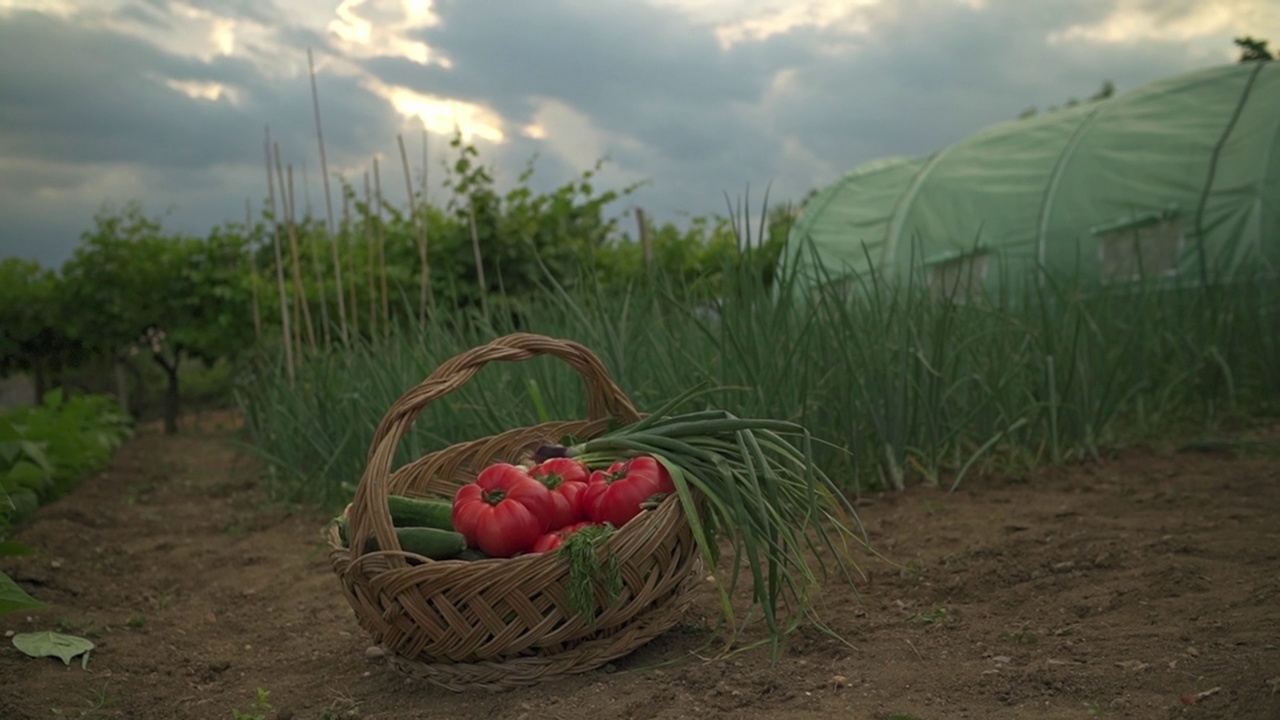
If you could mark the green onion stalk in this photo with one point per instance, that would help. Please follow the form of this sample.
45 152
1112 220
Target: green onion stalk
753 481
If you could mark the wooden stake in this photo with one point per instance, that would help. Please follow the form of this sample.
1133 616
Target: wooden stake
291 226
424 284
475 247
285 330
382 248
349 252
328 204
313 254
373 258
286 198
253 270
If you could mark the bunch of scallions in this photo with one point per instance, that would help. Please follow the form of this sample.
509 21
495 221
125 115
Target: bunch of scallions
754 482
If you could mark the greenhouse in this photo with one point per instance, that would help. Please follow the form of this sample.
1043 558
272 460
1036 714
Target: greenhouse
1178 180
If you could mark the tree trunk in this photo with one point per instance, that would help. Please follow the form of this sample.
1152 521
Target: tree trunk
171 404
122 384
171 391
40 377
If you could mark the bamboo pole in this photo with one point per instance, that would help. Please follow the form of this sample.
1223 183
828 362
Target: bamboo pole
426 214
382 248
287 199
349 252
328 202
285 329
424 284
311 253
475 248
373 257
299 298
253 270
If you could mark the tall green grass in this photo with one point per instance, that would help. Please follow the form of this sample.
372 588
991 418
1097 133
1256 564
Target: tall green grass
900 384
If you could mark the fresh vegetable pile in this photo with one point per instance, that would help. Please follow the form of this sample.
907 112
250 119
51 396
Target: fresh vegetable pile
750 481
516 509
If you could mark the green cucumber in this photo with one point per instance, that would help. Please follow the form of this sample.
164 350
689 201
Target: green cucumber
472 554
420 512
429 542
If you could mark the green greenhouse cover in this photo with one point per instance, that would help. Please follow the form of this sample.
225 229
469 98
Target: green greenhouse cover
1177 179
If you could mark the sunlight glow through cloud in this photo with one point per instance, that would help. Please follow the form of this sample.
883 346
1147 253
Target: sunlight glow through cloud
441 115
224 36
790 16
211 91
1134 21
349 26
384 31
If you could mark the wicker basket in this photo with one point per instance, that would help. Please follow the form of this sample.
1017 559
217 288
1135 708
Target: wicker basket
500 624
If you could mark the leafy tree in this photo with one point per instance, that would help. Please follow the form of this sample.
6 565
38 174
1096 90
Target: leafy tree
31 334
140 290
1252 50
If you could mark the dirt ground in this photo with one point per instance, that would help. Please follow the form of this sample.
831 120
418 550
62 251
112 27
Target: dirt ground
1146 586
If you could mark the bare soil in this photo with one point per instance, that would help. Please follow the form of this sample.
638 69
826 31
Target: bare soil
1143 586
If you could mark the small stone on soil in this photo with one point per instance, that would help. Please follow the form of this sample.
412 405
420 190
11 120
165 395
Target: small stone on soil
374 652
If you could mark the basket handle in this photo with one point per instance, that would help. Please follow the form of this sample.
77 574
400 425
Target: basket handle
604 399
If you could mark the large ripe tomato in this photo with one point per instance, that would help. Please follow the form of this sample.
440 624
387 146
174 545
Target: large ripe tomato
556 538
566 478
615 495
503 512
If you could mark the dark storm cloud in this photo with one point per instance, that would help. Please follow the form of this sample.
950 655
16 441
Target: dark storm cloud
68 117
592 55
151 14
924 80
669 103
620 64
107 102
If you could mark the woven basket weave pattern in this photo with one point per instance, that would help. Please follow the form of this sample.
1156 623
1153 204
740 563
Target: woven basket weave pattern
503 623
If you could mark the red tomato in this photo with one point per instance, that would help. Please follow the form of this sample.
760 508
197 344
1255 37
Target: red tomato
553 540
566 479
503 512
615 495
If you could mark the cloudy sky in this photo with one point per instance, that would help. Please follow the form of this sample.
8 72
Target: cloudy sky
165 101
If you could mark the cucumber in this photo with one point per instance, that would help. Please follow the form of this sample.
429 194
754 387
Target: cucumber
420 512
430 542
472 554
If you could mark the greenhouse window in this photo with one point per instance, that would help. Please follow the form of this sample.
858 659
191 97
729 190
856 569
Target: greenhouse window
1148 246
959 278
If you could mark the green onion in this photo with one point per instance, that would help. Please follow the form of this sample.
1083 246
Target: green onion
742 477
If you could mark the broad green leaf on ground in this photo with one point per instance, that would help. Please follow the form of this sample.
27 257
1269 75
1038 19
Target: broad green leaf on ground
35 453
52 644
27 474
13 548
14 598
